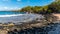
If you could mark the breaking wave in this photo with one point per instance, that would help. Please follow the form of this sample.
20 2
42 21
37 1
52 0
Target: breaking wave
10 15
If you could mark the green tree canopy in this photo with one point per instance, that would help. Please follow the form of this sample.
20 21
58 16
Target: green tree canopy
53 7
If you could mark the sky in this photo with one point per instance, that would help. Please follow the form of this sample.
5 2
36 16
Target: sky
18 4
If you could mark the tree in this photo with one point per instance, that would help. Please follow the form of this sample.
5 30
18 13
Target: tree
36 9
27 9
55 6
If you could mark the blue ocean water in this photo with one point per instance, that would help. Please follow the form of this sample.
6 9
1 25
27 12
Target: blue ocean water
10 16
10 12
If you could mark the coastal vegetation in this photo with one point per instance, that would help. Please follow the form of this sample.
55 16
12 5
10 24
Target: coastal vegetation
54 7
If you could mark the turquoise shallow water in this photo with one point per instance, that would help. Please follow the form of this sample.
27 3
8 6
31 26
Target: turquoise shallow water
10 12
9 16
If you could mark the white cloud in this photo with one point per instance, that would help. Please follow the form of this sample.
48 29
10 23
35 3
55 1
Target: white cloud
9 0
18 0
16 8
54 0
5 0
5 7
9 8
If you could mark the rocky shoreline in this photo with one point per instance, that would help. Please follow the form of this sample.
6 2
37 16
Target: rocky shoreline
49 19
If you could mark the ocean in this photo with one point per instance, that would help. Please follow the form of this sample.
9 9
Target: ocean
11 16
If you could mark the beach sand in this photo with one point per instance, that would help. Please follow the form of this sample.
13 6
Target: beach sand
58 15
3 31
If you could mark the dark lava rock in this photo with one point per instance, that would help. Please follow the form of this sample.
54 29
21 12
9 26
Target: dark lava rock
34 30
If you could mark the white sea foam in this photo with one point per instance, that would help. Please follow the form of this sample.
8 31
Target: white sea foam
19 18
10 15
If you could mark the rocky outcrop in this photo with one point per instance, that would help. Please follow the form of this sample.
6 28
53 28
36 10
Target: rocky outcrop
42 23
48 19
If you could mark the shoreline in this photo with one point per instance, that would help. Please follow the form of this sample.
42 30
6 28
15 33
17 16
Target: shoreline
34 24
